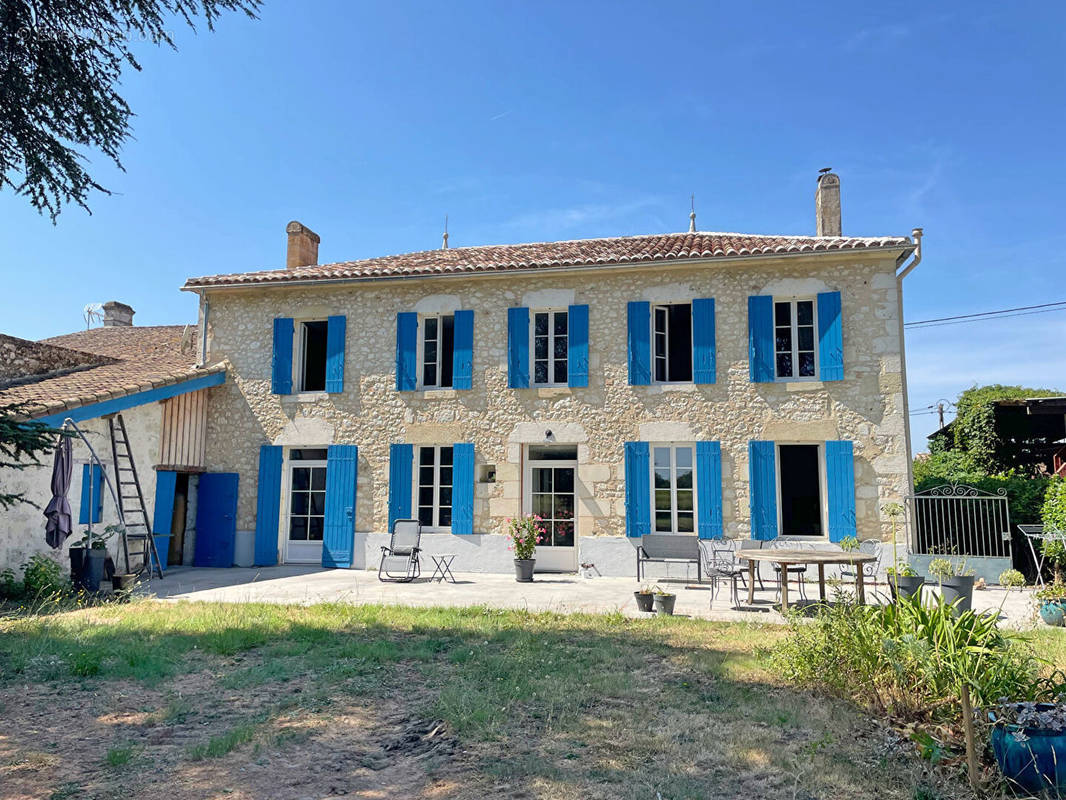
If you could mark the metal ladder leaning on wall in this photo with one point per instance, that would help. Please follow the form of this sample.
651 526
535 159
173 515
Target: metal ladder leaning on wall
137 529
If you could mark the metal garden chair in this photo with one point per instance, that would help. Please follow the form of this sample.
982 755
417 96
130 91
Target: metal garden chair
399 561
799 570
724 564
871 568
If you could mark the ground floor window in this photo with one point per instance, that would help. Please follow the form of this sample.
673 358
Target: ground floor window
307 494
799 477
673 482
434 486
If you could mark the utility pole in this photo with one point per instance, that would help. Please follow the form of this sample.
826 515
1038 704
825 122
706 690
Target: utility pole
940 413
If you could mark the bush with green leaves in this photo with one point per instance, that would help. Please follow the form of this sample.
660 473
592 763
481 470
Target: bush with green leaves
910 659
41 576
1053 511
1011 578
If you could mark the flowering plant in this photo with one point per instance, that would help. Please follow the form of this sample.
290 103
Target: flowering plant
525 532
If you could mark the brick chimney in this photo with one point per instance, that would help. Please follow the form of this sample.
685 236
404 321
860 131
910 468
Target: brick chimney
827 204
303 246
117 315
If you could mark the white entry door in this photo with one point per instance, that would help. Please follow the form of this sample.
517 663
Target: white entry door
550 493
304 524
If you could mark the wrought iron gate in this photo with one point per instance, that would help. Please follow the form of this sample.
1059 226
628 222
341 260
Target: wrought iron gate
961 520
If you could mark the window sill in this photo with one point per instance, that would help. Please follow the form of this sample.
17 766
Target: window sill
656 388
437 394
552 391
306 397
802 386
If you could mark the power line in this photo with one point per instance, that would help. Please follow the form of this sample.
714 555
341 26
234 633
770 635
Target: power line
1020 311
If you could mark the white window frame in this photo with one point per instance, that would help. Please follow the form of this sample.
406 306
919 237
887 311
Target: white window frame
794 327
653 334
284 521
421 340
415 505
551 312
673 488
823 494
298 361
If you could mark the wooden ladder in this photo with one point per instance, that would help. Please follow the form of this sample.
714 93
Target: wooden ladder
136 528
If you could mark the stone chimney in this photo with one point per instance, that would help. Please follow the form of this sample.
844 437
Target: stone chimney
827 204
117 315
303 246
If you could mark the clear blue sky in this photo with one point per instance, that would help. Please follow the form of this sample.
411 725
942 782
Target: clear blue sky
558 120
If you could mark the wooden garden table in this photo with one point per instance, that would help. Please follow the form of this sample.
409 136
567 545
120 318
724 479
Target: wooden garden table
790 557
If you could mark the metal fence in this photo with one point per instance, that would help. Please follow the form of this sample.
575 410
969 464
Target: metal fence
961 520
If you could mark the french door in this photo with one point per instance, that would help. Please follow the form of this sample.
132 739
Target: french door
550 493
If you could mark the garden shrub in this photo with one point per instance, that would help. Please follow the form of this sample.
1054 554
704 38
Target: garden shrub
908 659
41 577
1053 510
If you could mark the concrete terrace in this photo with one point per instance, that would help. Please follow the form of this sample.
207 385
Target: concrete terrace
559 593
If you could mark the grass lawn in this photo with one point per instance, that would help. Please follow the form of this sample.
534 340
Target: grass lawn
260 701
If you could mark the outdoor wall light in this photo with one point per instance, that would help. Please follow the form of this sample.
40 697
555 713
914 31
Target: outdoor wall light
549 436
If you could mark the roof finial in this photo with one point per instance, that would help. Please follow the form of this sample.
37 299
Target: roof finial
692 216
444 245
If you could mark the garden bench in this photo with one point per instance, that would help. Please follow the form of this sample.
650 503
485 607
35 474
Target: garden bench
665 548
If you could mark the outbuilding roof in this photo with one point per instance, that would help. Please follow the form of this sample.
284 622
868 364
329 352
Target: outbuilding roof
698 246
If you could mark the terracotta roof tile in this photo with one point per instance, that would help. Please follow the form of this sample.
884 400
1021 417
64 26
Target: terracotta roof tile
141 358
547 255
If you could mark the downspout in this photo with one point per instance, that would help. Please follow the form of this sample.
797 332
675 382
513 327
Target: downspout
205 308
917 233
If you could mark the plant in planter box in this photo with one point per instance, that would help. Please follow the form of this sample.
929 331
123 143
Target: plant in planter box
1052 603
904 580
1029 742
956 582
525 533
644 597
664 601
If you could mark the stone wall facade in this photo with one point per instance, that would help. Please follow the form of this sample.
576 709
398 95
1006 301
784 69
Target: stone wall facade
867 407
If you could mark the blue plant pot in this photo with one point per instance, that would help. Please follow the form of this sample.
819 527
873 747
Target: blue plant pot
1053 612
1036 765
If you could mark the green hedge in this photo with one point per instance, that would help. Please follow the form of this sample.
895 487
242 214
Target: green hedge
1026 495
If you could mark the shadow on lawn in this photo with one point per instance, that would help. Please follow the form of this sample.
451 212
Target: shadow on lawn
590 706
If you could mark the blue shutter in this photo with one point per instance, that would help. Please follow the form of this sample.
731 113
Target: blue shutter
463 488
639 337
761 338
281 363
703 349
762 472
406 351
163 512
268 506
709 490
577 346
463 352
830 337
840 489
91 483
518 347
401 486
638 489
342 475
335 330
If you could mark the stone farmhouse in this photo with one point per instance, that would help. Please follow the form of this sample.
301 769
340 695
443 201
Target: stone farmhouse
697 384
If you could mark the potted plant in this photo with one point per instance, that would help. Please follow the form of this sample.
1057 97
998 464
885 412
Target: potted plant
94 557
956 582
644 597
1054 552
904 581
664 601
849 544
525 532
1052 600
1029 742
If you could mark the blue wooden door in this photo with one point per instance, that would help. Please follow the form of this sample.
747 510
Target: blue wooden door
216 519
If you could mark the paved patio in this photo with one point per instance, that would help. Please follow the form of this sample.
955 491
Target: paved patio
560 593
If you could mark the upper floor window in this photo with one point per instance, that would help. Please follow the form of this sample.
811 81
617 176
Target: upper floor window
550 333
673 486
311 365
795 340
433 486
672 342
438 350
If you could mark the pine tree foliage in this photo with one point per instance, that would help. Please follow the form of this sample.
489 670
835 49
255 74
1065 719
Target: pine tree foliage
21 445
60 65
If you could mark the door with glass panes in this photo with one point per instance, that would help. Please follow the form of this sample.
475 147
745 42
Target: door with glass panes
550 491
304 521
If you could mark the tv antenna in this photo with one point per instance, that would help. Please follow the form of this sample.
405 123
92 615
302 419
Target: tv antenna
93 312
